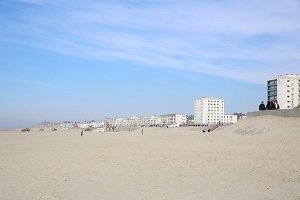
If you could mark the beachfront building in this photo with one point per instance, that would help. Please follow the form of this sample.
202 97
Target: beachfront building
92 124
68 125
285 89
83 125
171 120
208 110
175 120
121 122
230 119
135 121
190 120
149 121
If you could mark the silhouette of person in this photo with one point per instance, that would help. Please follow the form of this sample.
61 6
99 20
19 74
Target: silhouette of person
269 105
81 133
262 106
142 131
276 105
272 105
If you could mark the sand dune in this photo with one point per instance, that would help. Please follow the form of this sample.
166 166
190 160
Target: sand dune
266 124
257 158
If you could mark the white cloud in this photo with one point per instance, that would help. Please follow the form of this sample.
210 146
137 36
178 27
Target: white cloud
242 40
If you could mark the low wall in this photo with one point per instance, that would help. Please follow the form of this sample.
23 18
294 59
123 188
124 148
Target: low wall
280 113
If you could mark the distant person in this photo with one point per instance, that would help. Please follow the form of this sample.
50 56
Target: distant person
262 106
81 133
142 131
268 105
276 105
272 105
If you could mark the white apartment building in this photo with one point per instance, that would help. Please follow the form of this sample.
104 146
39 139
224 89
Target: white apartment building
121 122
133 121
173 119
69 125
137 121
170 120
230 119
285 89
208 110
149 121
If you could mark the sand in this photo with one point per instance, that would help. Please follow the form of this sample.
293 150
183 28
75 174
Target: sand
257 158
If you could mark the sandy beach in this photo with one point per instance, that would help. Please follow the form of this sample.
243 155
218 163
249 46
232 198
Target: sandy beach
257 158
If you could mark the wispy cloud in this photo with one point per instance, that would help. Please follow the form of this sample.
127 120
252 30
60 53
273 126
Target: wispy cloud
237 39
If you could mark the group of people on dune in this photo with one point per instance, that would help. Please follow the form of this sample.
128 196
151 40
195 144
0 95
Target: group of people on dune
271 105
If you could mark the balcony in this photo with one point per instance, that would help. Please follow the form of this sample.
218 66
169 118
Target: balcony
273 82
273 93
272 88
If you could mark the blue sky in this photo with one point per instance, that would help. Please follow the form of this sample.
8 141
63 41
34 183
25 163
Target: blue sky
84 60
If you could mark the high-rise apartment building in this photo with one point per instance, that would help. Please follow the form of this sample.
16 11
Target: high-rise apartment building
285 89
208 110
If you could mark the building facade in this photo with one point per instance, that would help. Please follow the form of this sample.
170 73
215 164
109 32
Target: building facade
172 120
190 120
285 89
208 110
175 120
230 119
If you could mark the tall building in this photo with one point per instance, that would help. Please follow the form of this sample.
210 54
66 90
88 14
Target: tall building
208 110
285 89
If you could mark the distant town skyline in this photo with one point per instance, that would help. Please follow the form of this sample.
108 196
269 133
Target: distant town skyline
71 61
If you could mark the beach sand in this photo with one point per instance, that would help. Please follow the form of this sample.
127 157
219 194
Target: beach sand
257 158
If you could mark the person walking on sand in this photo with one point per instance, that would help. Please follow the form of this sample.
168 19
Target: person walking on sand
142 131
81 133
